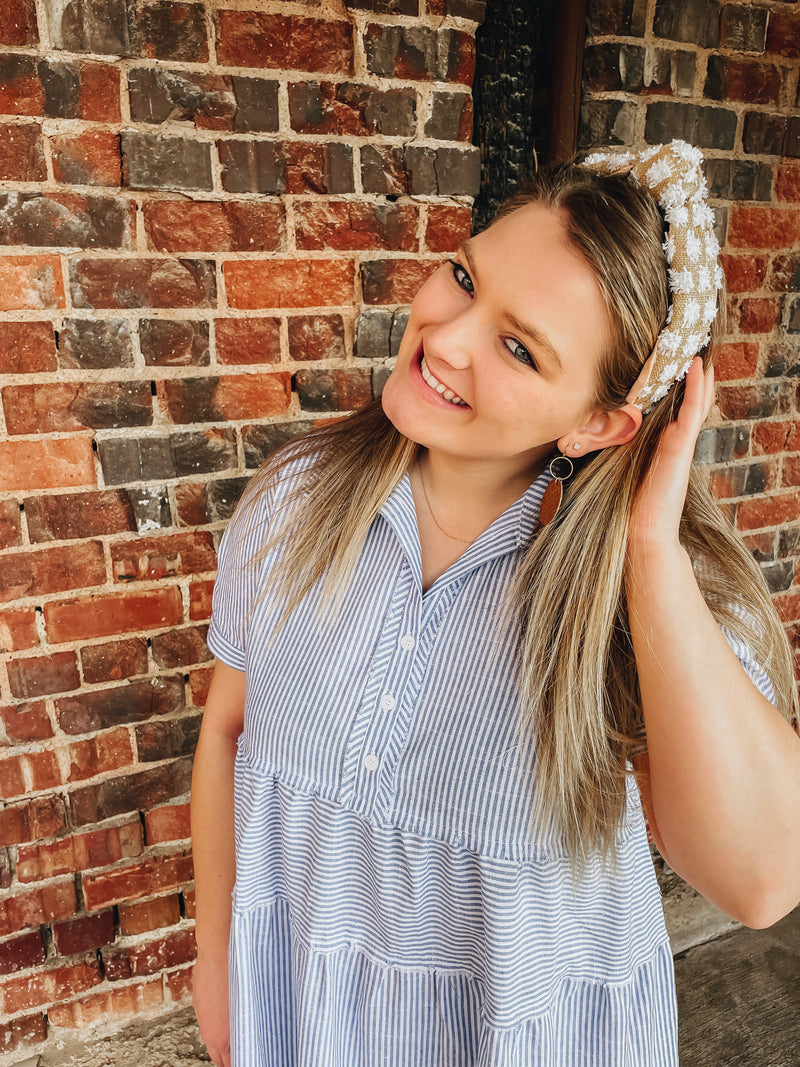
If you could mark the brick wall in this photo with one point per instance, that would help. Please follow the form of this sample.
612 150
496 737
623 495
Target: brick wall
725 77
197 201
211 216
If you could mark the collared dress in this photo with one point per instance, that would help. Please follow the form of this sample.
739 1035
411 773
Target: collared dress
395 905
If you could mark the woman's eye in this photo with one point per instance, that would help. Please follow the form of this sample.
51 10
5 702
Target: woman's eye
519 351
462 278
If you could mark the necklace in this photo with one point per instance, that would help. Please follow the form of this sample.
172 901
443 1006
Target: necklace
438 525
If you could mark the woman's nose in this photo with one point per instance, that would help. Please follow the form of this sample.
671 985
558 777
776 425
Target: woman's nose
455 341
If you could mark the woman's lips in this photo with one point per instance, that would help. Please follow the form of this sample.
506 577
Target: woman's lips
439 387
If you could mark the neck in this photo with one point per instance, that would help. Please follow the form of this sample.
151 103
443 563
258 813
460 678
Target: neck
477 487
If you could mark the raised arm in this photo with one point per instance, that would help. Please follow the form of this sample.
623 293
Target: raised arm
724 767
213 850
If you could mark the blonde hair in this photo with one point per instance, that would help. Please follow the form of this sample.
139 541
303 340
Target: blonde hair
578 675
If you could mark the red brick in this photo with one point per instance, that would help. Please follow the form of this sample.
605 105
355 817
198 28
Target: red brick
787 181
18 630
37 676
47 464
334 390
736 360
108 751
180 984
51 570
81 852
10 525
44 905
21 153
30 283
278 283
447 226
218 226
133 702
18 26
167 823
255 39
27 722
22 1032
21 91
757 314
313 337
758 401
350 226
783 32
129 1000
129 793
35 819
189 904
231 397
103 616
767 511
133 961
99 94
79 515
248 341
12 777
743 274
199 683
114 660
88 158
61 407
784 273
165 556
788 607
48 987
394 281
20 953
761 545
85 934
181 647
27 347
763 227
748 81
791 471
148 283
149 915
200 600
156 874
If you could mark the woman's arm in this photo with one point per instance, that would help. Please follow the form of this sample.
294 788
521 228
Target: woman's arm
213 850
724 767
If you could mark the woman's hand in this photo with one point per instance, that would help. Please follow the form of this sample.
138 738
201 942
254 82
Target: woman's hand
657 511
210 1002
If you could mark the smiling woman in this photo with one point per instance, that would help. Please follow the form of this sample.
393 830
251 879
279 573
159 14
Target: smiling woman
440 850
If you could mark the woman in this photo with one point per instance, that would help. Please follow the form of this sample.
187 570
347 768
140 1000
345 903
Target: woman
443 675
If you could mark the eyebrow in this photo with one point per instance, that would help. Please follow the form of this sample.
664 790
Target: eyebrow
536 335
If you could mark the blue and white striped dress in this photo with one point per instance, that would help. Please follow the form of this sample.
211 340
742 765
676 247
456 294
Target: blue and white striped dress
392 905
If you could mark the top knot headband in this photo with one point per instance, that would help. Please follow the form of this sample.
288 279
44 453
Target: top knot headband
672 174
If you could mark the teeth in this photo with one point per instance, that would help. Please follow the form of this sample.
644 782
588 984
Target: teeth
442 390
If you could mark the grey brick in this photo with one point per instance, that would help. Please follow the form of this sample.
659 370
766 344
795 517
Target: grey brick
150 161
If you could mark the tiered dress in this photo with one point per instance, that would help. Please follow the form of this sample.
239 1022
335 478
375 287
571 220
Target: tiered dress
394 904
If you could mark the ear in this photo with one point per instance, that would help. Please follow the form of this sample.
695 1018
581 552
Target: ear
602 429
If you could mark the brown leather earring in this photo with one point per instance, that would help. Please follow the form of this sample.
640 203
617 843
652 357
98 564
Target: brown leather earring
561 468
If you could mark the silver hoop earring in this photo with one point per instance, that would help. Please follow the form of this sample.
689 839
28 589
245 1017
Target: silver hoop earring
560 468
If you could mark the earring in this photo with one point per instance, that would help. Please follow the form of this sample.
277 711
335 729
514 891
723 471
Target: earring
577 446
560 468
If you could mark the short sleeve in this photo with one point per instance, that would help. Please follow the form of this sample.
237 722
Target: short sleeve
744 653
238 580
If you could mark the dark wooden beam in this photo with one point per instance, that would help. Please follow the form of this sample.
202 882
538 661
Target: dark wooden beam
565 93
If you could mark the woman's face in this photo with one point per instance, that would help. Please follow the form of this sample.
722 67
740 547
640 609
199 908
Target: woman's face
501 353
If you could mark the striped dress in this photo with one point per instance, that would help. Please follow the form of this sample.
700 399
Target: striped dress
393 907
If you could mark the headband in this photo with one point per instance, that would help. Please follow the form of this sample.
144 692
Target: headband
672 174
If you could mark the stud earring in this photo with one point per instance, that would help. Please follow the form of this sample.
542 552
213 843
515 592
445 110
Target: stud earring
577 446
561 468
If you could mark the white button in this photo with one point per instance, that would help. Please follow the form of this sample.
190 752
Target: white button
371 762
407 642
387 701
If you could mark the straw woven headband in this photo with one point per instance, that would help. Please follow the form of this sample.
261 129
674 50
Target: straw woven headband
672 174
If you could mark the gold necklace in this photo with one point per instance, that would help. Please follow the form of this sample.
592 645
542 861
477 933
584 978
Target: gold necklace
436 521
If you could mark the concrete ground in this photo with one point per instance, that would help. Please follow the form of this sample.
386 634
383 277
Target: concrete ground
738 1002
